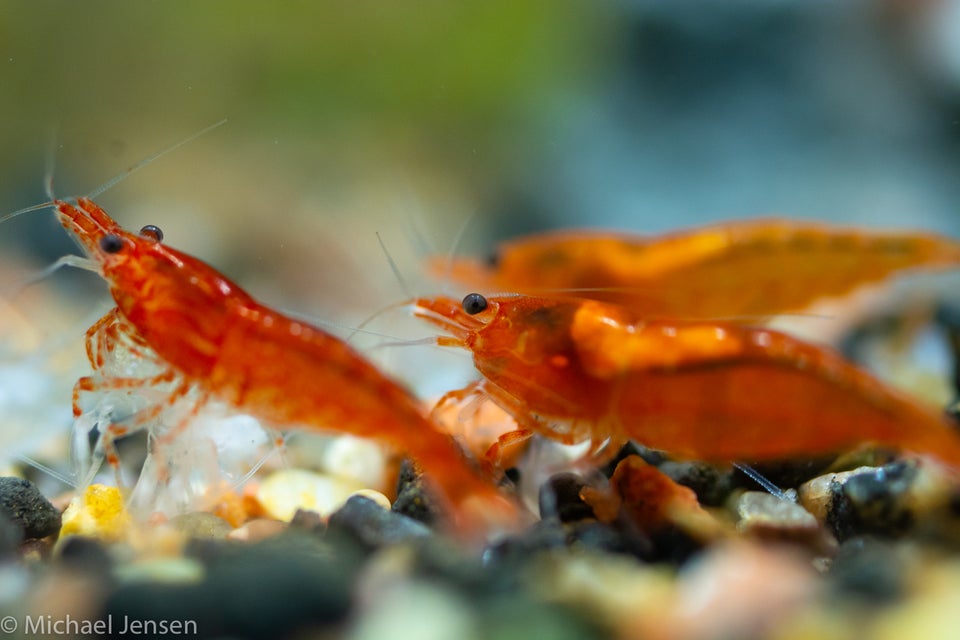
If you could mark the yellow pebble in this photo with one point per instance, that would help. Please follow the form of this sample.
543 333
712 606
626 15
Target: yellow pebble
98 513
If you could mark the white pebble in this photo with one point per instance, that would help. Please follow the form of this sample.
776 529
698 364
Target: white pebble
285 491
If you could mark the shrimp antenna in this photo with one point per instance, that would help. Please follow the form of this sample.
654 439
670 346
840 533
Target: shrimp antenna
156 156
39 466
109 183
19 212
69 260
393 266
253 470
454 246
51 163
361 328
763 481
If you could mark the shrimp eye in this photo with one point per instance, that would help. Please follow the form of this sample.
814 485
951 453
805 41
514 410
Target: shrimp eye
474 303
111 243
493 260
152 232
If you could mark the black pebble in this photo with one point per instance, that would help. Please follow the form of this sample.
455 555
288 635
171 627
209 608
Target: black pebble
85 554
598 536
23 504
413 498
11 535
368 523
440 560
518 616
516 550
867 568
711 485
649 456
279 588
872 503
560 497
306 520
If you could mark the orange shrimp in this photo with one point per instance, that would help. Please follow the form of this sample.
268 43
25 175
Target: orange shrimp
209 335
746 268
581 370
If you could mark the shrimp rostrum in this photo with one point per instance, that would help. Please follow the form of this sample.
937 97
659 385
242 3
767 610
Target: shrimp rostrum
581 370
213 340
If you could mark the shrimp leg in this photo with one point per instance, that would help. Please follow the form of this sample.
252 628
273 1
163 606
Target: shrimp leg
108 332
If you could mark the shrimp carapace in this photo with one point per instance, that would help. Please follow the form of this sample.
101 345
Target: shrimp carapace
576 370
745 268
211 336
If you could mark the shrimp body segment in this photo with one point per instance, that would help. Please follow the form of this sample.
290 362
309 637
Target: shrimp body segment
216 338
744 268
577 370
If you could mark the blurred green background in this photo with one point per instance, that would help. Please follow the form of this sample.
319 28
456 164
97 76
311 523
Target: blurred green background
411 119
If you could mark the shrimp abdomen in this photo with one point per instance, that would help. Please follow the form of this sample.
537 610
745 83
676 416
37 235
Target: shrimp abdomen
287 372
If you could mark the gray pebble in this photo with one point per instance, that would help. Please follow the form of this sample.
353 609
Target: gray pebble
23 504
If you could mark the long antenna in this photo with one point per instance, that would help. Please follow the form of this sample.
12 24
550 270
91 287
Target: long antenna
112 181
139 165
394 267
451 256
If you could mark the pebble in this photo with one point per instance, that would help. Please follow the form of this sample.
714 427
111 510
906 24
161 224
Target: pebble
596 536
477 576
160 571
98 513
417 609
11 535
270 589
711 484
817 495
368 522
356 459
560 497
413 498
517 549
928 611
260 529
868 569
887 501
610 591
23 505
204 526
376 496
311 521
872 502
772 518
85 554
518 616
284 492
733 590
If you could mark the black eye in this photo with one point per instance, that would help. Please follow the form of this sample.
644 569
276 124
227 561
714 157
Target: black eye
111 243
474 303
153 232
493 260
